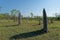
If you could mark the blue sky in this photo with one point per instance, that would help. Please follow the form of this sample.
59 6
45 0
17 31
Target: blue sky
34 6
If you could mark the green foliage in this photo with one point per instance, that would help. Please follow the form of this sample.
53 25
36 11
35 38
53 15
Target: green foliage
14 13
57 16
0 8
4 16
31 15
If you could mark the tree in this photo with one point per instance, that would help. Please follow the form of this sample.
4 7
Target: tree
0 8
7 16
31 15
1 16
57 16
19 17
13 14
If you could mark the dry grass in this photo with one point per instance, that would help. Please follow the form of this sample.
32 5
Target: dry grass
28 26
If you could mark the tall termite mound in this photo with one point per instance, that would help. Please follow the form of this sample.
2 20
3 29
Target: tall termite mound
44 20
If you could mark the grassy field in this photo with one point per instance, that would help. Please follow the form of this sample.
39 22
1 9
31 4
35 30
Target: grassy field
10 28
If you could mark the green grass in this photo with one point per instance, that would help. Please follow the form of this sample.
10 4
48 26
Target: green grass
28 26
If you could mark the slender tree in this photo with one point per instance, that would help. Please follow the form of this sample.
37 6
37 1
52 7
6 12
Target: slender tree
13 12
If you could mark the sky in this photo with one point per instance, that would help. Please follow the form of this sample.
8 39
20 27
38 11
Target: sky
28 6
